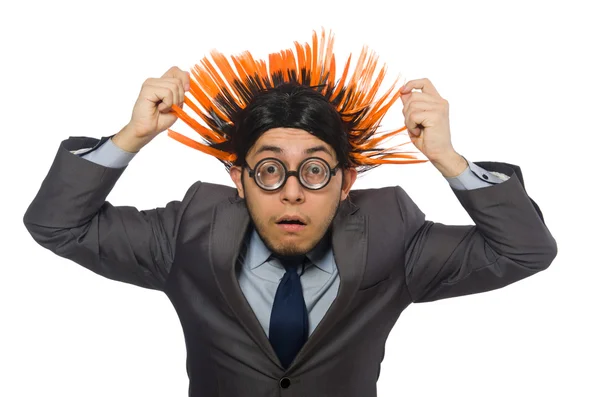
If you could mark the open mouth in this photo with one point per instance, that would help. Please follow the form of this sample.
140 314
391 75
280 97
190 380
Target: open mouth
291 224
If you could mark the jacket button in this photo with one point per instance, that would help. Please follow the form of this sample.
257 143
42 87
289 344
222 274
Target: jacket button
485 176
285 383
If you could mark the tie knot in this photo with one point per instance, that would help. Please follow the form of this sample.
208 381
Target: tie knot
291 263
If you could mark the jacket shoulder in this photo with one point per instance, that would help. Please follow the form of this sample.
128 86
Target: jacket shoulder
375 200
205 194
383 203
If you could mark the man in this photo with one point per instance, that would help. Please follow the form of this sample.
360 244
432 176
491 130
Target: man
289 283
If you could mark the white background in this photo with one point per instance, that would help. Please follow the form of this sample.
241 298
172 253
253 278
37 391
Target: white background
522 81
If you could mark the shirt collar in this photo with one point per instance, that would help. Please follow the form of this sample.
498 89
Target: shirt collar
258 253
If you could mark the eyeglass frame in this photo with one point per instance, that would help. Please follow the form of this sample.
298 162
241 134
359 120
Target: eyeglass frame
288 173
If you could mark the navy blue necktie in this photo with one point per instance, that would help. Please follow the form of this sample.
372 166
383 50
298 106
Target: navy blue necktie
288 329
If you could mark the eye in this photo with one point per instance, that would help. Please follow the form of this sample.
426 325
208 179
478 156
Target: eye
315 172
270 172
315 169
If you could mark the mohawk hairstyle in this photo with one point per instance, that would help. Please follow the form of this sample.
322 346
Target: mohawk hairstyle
222 91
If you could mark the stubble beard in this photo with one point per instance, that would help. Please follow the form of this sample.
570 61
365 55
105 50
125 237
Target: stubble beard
289 249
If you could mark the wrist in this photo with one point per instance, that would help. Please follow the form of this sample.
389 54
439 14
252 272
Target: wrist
451 165
126 140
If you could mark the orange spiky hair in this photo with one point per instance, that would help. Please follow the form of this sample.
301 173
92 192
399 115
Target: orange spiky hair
223 90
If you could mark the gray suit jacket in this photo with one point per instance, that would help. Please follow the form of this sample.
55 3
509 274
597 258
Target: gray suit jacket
388 256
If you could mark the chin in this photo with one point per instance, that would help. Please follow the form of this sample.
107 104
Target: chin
289 246
289 251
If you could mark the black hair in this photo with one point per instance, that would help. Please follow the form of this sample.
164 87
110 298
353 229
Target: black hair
289 105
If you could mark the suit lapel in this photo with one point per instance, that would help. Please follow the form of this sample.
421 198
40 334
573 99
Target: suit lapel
229 226
349 243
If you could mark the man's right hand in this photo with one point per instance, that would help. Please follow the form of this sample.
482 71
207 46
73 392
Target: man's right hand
152 111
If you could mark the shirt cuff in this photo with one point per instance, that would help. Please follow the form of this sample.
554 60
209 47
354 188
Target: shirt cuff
475 177
108 155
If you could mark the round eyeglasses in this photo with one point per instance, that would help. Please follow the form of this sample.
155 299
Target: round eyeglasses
270 173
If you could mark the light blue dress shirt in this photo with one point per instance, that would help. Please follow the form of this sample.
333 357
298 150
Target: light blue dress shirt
259 274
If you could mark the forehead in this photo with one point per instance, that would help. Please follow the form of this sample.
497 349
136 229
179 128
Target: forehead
292 142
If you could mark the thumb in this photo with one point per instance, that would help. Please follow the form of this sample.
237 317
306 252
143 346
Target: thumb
405 98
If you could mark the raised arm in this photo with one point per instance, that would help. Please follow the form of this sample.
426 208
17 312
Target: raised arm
508 242
71 217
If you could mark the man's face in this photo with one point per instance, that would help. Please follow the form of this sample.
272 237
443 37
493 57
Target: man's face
314 208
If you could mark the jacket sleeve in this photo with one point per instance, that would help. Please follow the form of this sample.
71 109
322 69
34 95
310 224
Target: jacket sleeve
509 241
71 217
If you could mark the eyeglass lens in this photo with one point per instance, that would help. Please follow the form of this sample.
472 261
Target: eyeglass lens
313 173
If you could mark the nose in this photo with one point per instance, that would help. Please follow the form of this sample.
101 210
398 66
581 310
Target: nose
292 191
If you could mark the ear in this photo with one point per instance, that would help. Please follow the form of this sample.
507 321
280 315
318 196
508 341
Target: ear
348 180
235 172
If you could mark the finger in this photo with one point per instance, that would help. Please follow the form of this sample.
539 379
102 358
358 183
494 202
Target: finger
186 81
420 84
179 90
423 97
162 96
419 97
405 98
417 121
419 106
175 85
175 72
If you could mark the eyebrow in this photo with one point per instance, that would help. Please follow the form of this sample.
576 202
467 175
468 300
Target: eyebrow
277 149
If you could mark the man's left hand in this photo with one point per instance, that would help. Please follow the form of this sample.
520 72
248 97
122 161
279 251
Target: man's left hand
426 116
